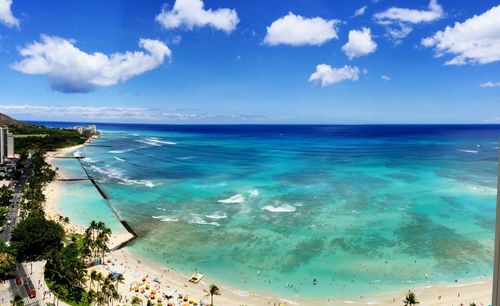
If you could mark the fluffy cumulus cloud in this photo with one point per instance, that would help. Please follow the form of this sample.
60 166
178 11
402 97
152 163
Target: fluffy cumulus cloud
490 84
6 16
360 43
70 69
326 75
361 11
398 20
296 30
474 41
192 13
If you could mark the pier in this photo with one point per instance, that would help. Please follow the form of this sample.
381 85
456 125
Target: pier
124 223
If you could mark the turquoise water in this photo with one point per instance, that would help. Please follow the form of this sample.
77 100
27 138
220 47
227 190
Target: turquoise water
69 168
81 203
270 208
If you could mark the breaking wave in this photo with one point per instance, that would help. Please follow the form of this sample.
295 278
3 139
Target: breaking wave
280 209
195 219
217 216
236 199
166 218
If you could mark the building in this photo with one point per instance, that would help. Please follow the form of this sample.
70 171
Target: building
10 145
90 128
6 144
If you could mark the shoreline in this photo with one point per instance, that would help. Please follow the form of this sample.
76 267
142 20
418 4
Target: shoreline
124 261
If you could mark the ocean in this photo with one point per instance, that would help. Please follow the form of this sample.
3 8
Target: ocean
270 208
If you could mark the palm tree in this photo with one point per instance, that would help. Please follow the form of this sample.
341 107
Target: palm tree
119 279
213 290
136 301
93 275
98 278
410 299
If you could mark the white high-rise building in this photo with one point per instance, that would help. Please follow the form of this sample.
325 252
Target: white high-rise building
6 144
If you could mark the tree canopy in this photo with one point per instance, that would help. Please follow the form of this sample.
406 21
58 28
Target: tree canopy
34 237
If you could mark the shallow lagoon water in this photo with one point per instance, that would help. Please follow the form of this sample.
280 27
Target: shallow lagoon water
269 208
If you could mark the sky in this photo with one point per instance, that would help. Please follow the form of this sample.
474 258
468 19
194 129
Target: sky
273 61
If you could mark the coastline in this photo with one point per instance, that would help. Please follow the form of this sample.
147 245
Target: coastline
124 261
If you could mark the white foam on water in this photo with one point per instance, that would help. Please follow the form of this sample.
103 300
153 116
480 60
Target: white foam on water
289 301
199 220
127 150
217 215
117 174
240 292
236 199
118 159
216 185
77 154
151 143
157 140
253 192
468 151
90 160
280 209
166 218
185 157
162 209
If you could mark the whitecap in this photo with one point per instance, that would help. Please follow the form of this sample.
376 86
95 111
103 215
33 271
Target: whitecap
77 154
185 157
126 150
151 143
253 192
118 159
236 199
117 174
280 209
166 218
199 220
90 160
468 151
156 140
217 215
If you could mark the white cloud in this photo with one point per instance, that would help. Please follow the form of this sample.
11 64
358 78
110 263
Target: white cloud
6 16
474 41
191 14
397 19
71 70
124 114
296 30
361 11
491 84
360 43
326 75
385 78
411 16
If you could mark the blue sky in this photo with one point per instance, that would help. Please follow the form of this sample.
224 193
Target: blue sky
224 61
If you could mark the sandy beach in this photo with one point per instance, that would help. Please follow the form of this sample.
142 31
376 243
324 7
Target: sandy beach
141 276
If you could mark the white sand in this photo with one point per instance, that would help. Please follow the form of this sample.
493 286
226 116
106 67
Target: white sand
135 269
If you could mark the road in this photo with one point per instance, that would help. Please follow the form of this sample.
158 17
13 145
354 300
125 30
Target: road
12 218
14 207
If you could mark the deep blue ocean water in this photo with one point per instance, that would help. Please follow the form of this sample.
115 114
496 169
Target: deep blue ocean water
269 208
